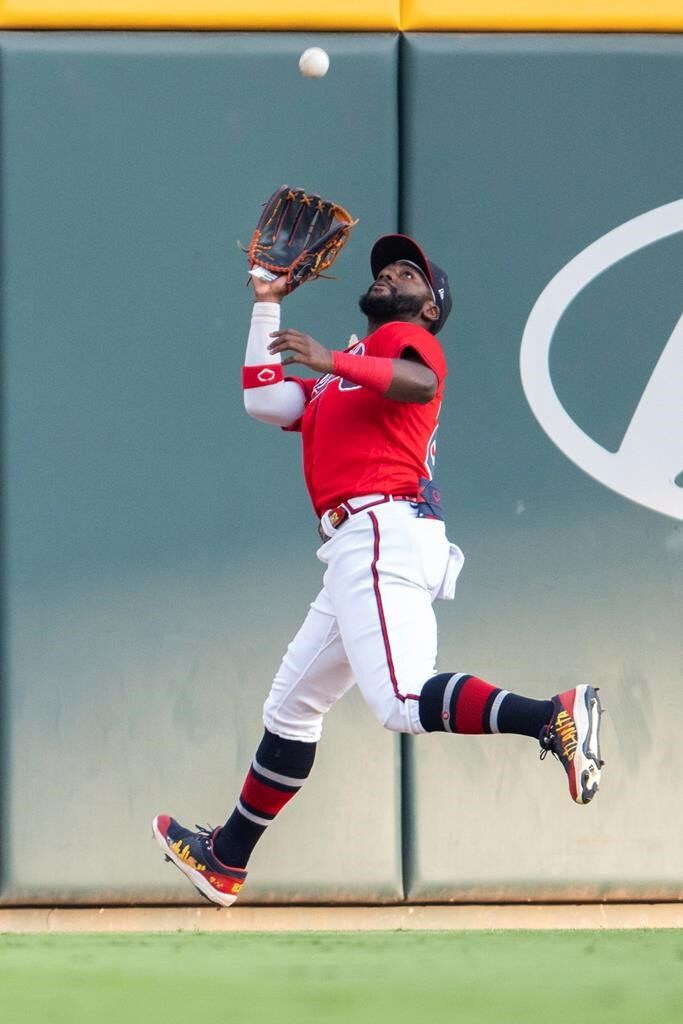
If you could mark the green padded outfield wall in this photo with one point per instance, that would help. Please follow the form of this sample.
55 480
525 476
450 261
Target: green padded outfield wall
159 547
520 152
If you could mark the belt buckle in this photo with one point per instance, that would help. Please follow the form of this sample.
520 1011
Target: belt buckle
331 521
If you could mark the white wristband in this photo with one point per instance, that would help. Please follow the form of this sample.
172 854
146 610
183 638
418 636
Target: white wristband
265 317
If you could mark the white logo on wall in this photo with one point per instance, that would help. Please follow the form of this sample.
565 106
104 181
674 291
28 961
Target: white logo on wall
650 456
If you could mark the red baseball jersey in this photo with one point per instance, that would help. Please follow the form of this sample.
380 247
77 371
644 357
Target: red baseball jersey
356 441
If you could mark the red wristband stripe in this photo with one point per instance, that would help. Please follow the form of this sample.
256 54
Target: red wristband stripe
374 372
262 376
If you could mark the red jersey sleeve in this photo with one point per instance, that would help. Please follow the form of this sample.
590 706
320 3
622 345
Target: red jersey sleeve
393 339
306 384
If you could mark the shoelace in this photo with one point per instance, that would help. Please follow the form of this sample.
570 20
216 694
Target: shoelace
547 739
205 831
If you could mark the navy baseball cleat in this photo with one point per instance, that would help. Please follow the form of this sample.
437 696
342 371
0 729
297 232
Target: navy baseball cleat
192 852
573 736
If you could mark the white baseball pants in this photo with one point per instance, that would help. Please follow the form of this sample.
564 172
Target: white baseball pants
372 623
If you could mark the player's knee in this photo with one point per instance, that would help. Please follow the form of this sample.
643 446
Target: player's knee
290 723
395 717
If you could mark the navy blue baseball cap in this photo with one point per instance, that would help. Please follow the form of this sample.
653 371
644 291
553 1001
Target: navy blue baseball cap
400 248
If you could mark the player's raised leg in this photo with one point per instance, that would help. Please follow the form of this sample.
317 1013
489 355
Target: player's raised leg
567 725
382 588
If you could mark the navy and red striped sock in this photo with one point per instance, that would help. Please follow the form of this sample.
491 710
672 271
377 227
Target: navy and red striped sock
456 702
278 771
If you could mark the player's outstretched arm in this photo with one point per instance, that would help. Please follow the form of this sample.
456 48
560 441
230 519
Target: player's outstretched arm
267 396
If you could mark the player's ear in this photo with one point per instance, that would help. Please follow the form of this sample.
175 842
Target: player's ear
430 312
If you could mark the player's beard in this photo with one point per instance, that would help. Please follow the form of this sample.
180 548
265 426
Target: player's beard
384 305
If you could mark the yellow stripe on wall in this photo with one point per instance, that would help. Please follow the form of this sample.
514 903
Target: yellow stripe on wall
344 15
348 15
540 15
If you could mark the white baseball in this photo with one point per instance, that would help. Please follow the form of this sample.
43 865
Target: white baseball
314 62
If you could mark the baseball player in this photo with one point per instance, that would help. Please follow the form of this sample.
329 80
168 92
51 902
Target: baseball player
368 424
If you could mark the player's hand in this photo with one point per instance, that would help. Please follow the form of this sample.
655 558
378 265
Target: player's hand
270 291
302 348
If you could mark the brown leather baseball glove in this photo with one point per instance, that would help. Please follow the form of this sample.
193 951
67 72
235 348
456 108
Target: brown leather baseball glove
299 234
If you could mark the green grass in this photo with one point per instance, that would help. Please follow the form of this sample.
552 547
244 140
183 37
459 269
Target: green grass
357 978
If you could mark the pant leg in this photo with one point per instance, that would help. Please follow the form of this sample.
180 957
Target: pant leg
314 674
384 568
